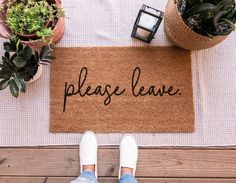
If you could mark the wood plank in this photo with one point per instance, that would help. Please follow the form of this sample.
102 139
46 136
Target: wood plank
112 180
152 162
22 179
117 147
150 180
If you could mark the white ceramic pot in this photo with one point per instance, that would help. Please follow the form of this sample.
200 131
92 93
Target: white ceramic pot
37 75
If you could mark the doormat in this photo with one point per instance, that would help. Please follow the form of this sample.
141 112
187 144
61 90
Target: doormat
121 89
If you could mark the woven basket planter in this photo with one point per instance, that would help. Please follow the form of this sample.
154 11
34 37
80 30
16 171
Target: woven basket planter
57 32
181 35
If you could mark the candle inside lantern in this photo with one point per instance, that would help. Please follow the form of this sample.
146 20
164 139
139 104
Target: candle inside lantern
143 34
147 21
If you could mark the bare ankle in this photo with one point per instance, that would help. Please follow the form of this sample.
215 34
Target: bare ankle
125 170
89 167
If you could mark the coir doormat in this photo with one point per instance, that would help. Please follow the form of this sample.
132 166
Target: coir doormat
121 89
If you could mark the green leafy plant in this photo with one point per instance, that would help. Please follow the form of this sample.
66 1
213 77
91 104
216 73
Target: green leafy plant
209 17
19 65
32 17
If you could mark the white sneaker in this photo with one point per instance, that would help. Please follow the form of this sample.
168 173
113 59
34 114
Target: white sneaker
128 153
88 150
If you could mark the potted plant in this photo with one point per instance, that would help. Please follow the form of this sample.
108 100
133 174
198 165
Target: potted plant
20 66
33 22
199 24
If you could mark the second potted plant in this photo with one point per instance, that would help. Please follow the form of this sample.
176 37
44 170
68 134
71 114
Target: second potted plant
34 23
20 65
199 24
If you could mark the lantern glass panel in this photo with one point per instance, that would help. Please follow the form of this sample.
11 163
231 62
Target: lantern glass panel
147 21
142 34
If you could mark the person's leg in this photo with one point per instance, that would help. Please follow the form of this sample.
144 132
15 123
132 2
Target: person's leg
127 178
88 159
86 177
128 159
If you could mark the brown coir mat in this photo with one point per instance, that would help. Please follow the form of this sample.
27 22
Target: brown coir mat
121 89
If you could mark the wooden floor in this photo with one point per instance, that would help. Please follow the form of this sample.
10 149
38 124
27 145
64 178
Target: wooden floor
156 165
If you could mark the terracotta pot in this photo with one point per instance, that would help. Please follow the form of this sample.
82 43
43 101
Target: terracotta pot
57 32
181 35
32 36
4 29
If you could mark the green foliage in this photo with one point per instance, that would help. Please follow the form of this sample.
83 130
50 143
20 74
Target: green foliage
209 17
32 17
19 65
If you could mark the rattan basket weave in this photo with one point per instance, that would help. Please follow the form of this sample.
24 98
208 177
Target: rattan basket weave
181 35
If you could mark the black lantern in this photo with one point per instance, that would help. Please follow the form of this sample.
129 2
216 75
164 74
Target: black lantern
147 23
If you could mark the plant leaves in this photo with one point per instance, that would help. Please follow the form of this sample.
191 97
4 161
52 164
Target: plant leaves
210 17
225 27
223 3
19 62
5 59
201 9
44 52
5 74
14 88
36 55
217 17
4 83
20 82
9 47
9 66
7 55
181 4
27 53
192 2
50 57
19 46
13 57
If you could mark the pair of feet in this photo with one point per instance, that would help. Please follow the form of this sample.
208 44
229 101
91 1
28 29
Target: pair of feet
128 154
